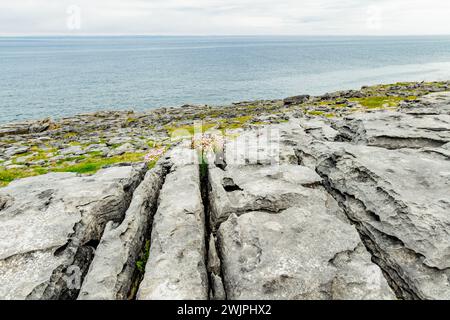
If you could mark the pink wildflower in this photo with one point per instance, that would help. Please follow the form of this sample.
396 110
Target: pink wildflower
154 154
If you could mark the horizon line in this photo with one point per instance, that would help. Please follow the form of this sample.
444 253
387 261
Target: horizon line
219 35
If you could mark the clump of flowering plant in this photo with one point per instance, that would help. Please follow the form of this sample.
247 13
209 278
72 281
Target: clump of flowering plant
154 155
207 142
207 145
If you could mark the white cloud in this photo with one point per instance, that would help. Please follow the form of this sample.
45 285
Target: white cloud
310 17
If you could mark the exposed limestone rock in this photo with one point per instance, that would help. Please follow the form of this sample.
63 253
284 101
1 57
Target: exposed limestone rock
49 225
240 189
176 267
111 272
446 146
399 200
14 150
296 99
269 220
5 201
25 127
297 254
395 130
353 207
438 99
126 147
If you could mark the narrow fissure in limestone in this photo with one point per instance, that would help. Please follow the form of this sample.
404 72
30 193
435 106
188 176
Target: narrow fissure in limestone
144 252
212 258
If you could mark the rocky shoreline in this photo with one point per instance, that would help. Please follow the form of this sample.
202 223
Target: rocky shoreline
339 196
88 142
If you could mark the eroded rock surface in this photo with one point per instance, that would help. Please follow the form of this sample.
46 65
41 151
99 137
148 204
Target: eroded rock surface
297 254
49 225
176 268
307 207
111 272
279 232
397 194
394 130
399 201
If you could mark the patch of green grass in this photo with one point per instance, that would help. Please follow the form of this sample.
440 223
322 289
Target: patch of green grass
93 164
315 113
39 154
151 143
378 102
403 84
321 113
234 123
95 153
40 170
85 167
131 120
188 130
327 102
88 164
70 135
7 141
9 175
412 88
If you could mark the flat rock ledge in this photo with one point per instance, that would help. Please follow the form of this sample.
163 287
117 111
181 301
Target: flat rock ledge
310 208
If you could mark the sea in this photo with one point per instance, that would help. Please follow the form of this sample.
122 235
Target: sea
61 76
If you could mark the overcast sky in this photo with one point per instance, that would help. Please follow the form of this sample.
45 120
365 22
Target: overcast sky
225 17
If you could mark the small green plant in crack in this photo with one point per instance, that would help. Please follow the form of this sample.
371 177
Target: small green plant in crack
143 257
203 168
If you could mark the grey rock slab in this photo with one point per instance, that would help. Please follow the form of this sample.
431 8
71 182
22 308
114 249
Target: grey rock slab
16 150
95 147
296 254
126 147
319 129
15 166
75 150
240 189
296 99
446 146
395 130
419 189
111 272
437 98
176 268
119 140
259 146
47 224
25 127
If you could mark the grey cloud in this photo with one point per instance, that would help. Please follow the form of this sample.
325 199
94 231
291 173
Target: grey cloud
227 16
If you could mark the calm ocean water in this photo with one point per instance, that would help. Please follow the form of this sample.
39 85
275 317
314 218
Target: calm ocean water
59 76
